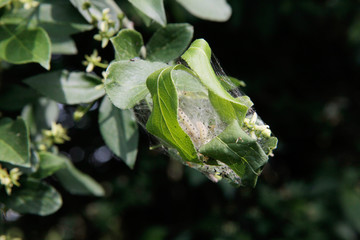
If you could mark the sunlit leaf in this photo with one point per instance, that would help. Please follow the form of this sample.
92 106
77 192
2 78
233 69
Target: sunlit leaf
20 45
14 142
127 44
33 197
77 182
227 106
239 151
146 20
67 87
126 81
212 10
163 121
152 8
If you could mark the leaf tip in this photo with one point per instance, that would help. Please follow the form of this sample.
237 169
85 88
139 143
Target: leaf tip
46 65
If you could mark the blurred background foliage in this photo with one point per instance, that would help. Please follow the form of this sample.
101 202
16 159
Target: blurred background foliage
300 61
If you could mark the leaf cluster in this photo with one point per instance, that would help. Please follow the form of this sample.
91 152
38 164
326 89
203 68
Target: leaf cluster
39 30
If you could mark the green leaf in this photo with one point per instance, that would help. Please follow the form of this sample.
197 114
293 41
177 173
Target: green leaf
145 19
119 131
33 197
34 161
152 8
49 164
34 164
212 10
15 97
67 88
60 20
198 58
127 44
19 16
19 45
14 142
97 6
77 182
268 144
163 121
238 151
169 42
62 45
126 81
40 114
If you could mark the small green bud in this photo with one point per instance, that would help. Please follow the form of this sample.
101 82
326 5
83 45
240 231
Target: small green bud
97 37
104 42
121 16
79 113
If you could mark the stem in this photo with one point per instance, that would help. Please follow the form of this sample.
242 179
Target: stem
156 146
81 111
102 65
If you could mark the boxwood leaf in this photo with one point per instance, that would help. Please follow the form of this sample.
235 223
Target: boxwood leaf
163 121
145 19
34 161
49 164
198 58
169 42
77 182
14 142
212 10
67 87
119 131
152 8
127 44
59 19
33 197
20 45
238 151
126 81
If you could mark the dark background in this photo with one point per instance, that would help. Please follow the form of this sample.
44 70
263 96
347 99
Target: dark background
300 61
